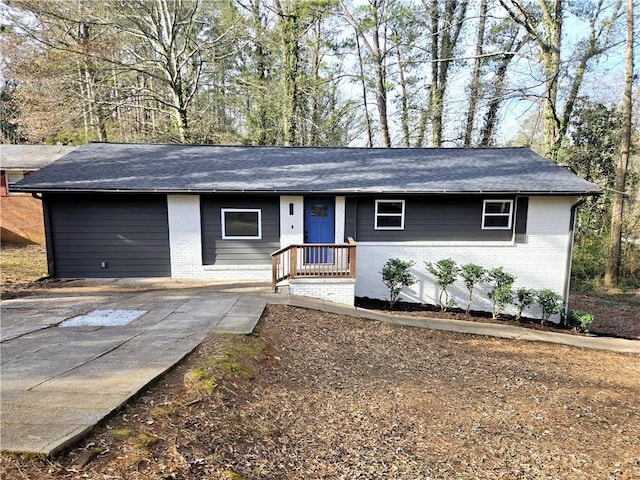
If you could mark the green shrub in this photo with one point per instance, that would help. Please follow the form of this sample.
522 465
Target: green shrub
524 298
580 320
500 292
472 275
396 275
446 272
589 258
550 302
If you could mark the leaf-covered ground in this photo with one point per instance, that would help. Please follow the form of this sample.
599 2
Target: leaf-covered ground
316 395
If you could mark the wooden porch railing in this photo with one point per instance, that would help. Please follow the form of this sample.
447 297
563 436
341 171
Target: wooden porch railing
314 260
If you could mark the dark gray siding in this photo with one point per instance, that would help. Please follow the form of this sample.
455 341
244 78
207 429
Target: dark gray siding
427 218
128 232
522 212
216 251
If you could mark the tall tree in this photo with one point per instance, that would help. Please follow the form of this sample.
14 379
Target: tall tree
261 114
617 208
474 87
171 30
60 81
447 20
507 39
9 114
544 25
372 30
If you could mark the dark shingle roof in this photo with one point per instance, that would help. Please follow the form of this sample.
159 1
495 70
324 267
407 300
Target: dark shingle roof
202 168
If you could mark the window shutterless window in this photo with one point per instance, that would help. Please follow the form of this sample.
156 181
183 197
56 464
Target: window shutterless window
389 215
497 214
241 223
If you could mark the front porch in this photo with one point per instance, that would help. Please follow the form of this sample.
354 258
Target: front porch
318 270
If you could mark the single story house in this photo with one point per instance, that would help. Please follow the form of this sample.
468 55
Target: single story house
20 214
323 221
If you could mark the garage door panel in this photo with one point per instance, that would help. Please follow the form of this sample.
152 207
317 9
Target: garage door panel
109 235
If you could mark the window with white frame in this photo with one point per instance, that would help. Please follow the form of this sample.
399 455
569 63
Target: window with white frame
241 223
389 215
497 214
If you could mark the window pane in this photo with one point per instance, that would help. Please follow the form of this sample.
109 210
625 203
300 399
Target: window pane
395 221
497 207
390 207
241 224
497 221
319 210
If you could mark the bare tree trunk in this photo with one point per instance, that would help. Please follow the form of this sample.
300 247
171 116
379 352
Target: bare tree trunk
488 130
289 25
550 126
377 59
85 103
617 207
435 108
404 101
315 81
475 77
367 119
453 19
380 77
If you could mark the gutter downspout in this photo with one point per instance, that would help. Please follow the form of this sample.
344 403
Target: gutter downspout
48 236
567 281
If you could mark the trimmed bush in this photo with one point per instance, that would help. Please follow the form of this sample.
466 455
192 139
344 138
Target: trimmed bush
446 272
501 293
550 302
472 275
396 276
524 299
580 320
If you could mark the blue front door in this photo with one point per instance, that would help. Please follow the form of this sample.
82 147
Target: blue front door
319 227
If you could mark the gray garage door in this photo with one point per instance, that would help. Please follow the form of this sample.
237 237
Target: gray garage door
109 235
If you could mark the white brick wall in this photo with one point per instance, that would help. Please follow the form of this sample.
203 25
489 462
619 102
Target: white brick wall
339 219
184 234
185 244
291 226
539 263
339 290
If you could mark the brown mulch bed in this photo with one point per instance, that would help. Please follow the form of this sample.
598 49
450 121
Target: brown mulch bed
318 395
614 315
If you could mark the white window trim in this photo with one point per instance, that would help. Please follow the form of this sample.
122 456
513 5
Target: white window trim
508 215
401 215
223 211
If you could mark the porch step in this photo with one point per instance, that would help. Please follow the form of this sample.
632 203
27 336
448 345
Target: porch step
283 288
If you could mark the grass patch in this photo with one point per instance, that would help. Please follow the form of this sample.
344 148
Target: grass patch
121 432
22 263
200 379
235 362
162 412
143 442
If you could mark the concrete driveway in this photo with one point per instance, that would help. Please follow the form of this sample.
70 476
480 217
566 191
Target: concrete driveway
58 382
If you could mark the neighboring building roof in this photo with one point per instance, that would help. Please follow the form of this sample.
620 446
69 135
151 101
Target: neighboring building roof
30 157
208 168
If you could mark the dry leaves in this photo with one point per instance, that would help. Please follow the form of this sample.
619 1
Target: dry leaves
316 395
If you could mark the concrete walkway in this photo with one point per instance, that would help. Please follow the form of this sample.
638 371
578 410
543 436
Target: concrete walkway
58 383
474 328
